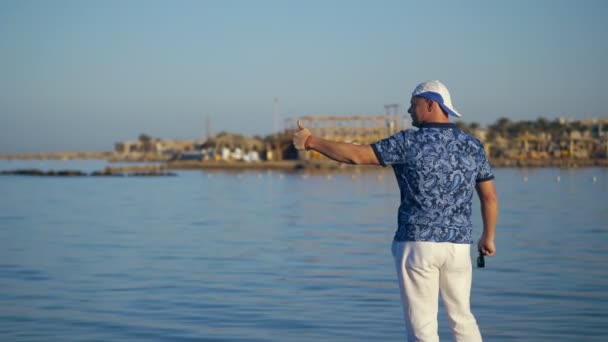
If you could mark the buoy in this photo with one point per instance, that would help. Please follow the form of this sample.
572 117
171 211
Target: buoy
594 179
329 177
558 179
281 176
525 178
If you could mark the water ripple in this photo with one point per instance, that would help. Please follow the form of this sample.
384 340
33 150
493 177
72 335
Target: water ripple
224 258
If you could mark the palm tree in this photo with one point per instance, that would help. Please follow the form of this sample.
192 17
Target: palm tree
146 142
501 126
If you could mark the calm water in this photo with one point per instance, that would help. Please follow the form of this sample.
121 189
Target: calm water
260 256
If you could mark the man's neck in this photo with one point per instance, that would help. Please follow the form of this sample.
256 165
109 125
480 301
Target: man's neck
437 118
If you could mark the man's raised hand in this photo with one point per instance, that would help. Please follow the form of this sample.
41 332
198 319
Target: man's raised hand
300 136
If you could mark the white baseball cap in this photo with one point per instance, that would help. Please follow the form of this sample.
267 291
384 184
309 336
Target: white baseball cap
436 91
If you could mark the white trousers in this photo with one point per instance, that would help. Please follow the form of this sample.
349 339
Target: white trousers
425 269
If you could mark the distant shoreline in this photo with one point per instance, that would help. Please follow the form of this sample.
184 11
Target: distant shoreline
286 165
562 163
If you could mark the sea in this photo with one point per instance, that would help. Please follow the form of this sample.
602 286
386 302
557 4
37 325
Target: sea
273 256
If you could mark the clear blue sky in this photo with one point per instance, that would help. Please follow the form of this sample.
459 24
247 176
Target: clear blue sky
81 75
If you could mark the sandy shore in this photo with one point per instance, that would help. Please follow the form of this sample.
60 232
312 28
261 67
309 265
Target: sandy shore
285 165
331 166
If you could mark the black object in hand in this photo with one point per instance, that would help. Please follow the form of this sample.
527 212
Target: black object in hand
481 261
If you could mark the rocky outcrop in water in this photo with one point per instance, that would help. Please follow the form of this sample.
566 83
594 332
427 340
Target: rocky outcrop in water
77 173
37 172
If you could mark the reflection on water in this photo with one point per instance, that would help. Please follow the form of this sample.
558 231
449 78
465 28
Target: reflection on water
261 256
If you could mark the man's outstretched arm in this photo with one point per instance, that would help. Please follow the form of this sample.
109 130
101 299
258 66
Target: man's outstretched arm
338 151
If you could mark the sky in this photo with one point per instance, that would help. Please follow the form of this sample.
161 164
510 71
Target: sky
82 75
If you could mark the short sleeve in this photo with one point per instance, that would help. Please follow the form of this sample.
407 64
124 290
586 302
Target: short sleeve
392 150
485 172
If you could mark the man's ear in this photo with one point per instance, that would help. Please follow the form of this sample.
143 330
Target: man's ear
429 104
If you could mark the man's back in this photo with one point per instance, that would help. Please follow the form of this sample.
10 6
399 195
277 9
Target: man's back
437 168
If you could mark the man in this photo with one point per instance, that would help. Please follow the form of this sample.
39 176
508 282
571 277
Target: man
437 167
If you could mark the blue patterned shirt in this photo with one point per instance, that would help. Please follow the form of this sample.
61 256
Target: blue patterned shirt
437 168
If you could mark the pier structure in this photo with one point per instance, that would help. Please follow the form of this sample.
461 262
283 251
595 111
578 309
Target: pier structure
358 129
